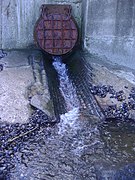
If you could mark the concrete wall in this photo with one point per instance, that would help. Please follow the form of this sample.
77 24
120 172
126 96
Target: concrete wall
18 18
108 26
110 29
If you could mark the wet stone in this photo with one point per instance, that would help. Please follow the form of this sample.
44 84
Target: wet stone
125 173
2 54
12 137
121 111
1 67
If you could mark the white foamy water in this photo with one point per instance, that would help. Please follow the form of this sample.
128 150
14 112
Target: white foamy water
69 93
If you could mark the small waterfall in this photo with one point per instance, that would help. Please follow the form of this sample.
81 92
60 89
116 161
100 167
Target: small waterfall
69 93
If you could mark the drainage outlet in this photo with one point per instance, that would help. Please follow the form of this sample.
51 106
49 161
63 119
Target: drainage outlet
56 31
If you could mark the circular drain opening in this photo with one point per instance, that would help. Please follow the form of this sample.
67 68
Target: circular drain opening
56 31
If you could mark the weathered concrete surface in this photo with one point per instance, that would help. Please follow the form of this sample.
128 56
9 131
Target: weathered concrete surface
38 92
14 105
19 17
18 88
109 29
17 58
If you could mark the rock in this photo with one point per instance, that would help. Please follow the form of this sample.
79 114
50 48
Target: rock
41 103
39 97
132 114
2 54
35 88
38 92
125 173
107 101
111 90
1 67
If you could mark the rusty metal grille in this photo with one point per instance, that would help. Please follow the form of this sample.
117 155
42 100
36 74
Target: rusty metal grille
56 33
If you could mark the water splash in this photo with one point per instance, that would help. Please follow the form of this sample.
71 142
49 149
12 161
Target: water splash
66 87
69 93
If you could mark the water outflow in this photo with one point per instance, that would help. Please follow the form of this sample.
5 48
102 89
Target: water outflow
68 92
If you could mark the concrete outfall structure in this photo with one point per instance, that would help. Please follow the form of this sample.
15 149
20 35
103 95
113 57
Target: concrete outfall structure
89 147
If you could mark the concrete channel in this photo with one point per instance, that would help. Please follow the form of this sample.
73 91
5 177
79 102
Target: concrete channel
55 144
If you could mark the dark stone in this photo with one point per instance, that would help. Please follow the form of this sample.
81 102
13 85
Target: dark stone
1 67
10 132
3 176
126 173
2 54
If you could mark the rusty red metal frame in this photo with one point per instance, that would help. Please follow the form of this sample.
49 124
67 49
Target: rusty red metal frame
55 31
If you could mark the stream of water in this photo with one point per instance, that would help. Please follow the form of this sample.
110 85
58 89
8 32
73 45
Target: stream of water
77 148
69 94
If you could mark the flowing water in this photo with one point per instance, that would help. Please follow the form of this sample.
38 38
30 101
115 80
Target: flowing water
66 87
69 93
80 147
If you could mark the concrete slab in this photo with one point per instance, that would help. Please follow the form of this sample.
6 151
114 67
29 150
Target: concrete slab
15 78
16 58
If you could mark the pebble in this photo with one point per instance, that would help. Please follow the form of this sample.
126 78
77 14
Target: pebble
1 67
126 173
120 112
2 53
8 132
